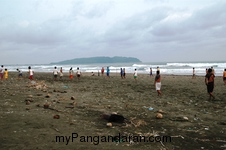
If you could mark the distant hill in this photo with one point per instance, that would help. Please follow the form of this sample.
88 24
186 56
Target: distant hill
91 60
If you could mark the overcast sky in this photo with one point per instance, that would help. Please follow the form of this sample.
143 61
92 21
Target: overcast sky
44 31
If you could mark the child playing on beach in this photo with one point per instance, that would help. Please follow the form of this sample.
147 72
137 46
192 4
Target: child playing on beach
20 75
71 73
55 72
124 73
2 72
158 83
31 73
193 76
121 73
61 72
108 72
102 71
6 74
151 72
78 73
224 76
209 80
135 75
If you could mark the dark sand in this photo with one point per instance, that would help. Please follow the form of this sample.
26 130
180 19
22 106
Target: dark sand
27 126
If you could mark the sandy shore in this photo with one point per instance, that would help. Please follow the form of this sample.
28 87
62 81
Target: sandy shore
189 117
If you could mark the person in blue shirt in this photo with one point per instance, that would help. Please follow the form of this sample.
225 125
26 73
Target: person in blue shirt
108 72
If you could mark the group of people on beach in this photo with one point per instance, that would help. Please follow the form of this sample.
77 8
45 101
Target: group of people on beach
209 77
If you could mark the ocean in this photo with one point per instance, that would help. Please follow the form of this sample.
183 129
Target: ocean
169 68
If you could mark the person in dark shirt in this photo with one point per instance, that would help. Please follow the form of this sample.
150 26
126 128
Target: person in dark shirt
209 80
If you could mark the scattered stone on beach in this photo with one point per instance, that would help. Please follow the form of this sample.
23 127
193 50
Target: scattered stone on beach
48 95
160 111
46 105
27 108
109 106
27 102
39 94
30 96
159 116
185 118
72 98
73 103
56 116
109 124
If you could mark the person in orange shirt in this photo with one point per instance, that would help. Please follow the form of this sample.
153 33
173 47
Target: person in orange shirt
209 80
224 76
6 74
158 83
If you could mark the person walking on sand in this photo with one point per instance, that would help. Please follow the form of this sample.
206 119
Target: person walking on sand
158 83
193 76
108 72
209 80
135 75
20 75
61 73
224 76
2 72
31 73
78 73
55 73
6 74
71 73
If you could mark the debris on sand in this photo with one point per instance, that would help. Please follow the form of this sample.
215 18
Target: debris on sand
56 116
159 116
114 118
109 124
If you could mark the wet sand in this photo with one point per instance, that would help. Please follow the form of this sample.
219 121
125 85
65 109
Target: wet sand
189 117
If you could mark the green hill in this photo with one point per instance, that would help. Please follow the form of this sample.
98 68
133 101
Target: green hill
91 60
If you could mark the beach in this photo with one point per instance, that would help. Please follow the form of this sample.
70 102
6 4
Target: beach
71 106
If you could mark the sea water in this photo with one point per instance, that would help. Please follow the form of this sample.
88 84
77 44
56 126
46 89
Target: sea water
168 68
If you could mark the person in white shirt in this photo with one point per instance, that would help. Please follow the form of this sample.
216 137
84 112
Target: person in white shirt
55 72
135 75
20 73
31 73
78 73
2 72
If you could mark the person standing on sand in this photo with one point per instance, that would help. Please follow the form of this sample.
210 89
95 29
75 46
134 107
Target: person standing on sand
193 76
31 73
55 73
158 83
151 72
61 73
102 71
135 75
121 73
108 72
2 72
124 73
6 74
78 73
20 75
71 73
209 80
224 76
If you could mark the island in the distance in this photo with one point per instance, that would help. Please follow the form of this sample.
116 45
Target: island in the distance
90 60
